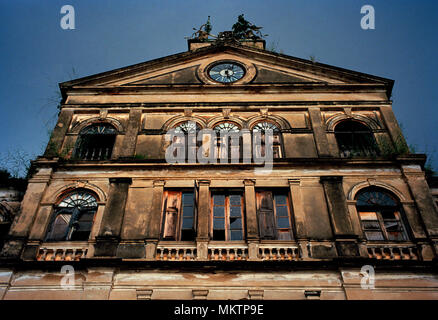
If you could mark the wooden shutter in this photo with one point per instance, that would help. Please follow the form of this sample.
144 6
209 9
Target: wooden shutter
171 208
265 213
59 228
82 227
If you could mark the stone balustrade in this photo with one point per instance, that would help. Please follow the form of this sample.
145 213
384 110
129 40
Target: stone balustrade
278 252
393 251
176 252
227 252
62 252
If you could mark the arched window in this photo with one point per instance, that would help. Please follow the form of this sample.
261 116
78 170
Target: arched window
190 129
260 148
229 146
381 216
73 217
355 139
96 142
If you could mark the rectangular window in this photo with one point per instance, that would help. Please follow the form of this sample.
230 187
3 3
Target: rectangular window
178 216
273 212
383 225
227 216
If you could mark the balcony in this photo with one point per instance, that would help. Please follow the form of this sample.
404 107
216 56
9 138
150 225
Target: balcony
227 251
62 251
394 251
278 251
176 252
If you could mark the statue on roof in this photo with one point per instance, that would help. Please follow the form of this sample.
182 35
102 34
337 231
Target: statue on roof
203 32
244 29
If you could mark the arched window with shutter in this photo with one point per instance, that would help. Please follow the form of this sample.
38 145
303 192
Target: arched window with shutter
73 217
381 215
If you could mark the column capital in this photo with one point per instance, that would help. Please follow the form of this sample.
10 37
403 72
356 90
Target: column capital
203 182
294 181
249 182
159 183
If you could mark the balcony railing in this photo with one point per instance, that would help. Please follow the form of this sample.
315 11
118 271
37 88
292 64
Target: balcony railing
279 252
176 252
393 251
62 252
227 251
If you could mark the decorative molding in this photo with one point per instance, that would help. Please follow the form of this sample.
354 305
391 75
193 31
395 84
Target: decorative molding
249 182
83 184
103 113
188 112
172 122
78 126
159 183
359 186
332 121
226 112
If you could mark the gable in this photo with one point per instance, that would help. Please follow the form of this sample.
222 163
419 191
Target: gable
270 75
190 68
181 76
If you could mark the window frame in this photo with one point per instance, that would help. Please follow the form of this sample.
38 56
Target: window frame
376 209
197 142
274 193
278 134
219 143
370 149
179 219
227 212
84 139
75 216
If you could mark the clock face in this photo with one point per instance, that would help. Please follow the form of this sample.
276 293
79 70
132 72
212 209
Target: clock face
226 72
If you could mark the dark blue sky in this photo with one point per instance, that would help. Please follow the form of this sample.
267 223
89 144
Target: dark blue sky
36 54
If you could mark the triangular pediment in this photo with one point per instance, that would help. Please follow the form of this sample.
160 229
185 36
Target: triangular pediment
180 76
186 69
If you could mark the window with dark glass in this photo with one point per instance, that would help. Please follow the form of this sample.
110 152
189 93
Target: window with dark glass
73 217
227 216
381 216
96 142
178 216
273 212
260 148
227 146
355 140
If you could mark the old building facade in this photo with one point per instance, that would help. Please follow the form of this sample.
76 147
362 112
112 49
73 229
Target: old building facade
343 191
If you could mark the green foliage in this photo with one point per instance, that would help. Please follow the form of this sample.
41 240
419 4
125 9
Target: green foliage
392 149
67 151
273 47
208 26
400 147
140 157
